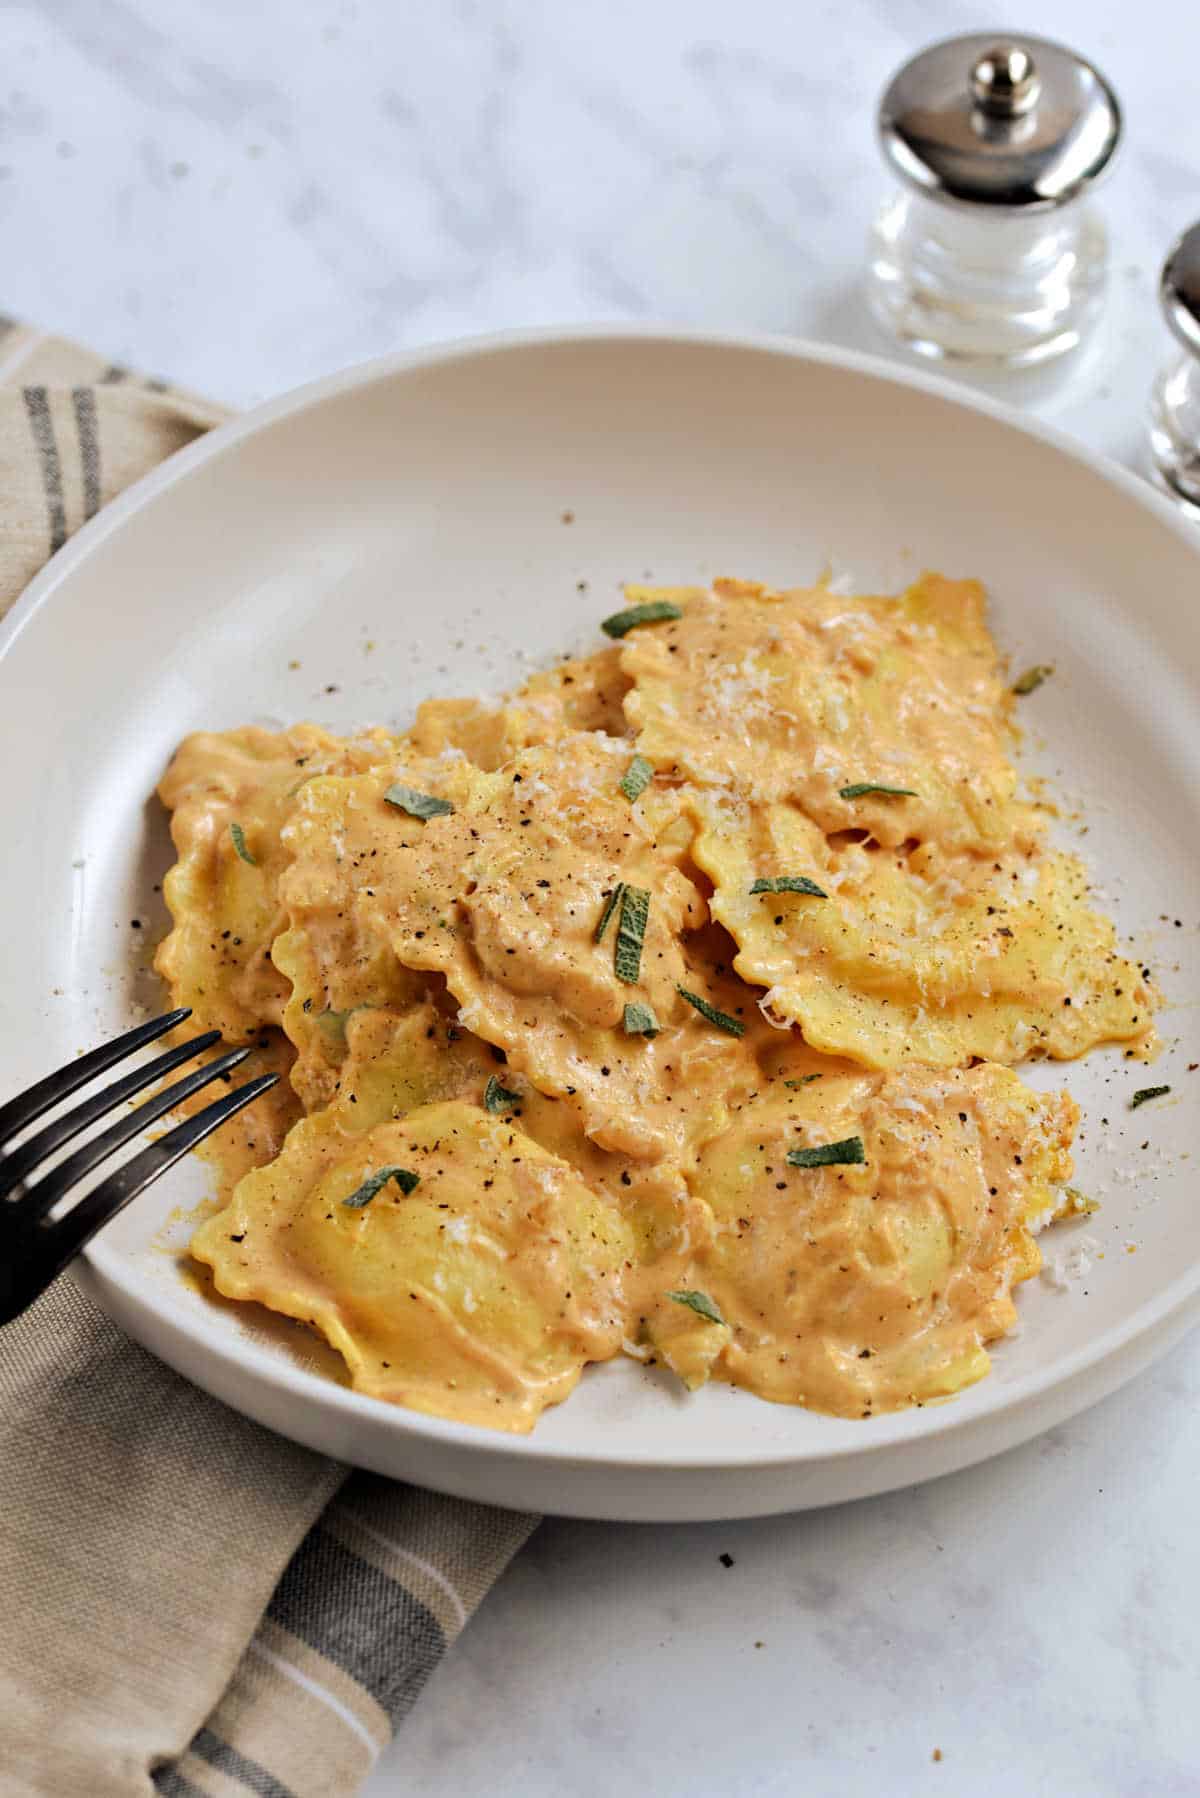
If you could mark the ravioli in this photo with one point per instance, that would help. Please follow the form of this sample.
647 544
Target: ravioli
367 1027
229 795
503 898
484 1290
916 954
589 691
341 971
574 1088
584 693
867 1287
396 1063
806 695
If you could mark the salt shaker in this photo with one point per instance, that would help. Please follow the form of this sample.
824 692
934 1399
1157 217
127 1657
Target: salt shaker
1175 402
991 253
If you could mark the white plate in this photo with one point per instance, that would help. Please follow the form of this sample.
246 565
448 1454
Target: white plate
418 504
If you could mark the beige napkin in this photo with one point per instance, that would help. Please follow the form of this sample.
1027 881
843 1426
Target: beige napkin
188 1603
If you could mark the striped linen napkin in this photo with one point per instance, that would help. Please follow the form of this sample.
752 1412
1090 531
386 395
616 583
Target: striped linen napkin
191 1604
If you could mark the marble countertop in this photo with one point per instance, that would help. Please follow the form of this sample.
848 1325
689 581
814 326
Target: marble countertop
245 196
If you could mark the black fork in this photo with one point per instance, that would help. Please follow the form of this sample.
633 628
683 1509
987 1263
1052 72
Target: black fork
38 1235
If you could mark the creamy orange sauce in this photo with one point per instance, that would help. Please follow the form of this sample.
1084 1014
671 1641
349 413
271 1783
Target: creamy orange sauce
225 899
584 693
503 896
860 1289
581 1180
919 953
483 1291
794 696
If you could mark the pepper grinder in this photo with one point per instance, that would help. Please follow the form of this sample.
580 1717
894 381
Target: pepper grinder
991 254
1175 402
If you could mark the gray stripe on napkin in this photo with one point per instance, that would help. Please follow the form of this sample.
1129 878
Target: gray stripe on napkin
37 405
366 1623
227 1760
172 1784
83 402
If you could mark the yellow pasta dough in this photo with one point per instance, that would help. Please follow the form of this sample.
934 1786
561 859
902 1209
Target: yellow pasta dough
483 1290
807 695
867 1286
503 897
229 795
916 954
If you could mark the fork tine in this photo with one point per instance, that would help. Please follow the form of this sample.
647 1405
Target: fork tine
28 1106
64 1239
20 1164
55 1185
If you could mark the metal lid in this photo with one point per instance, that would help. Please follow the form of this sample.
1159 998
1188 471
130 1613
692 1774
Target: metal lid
1179 289
990 120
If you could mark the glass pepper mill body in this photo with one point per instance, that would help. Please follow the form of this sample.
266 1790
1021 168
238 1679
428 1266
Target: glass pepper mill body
1017 292
1175 401
992 252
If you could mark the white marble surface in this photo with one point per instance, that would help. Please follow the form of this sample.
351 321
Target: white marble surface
243 195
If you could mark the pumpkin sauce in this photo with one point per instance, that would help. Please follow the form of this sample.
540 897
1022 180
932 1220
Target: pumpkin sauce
667 1008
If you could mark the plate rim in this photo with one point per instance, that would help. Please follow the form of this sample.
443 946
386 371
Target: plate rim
286 1380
